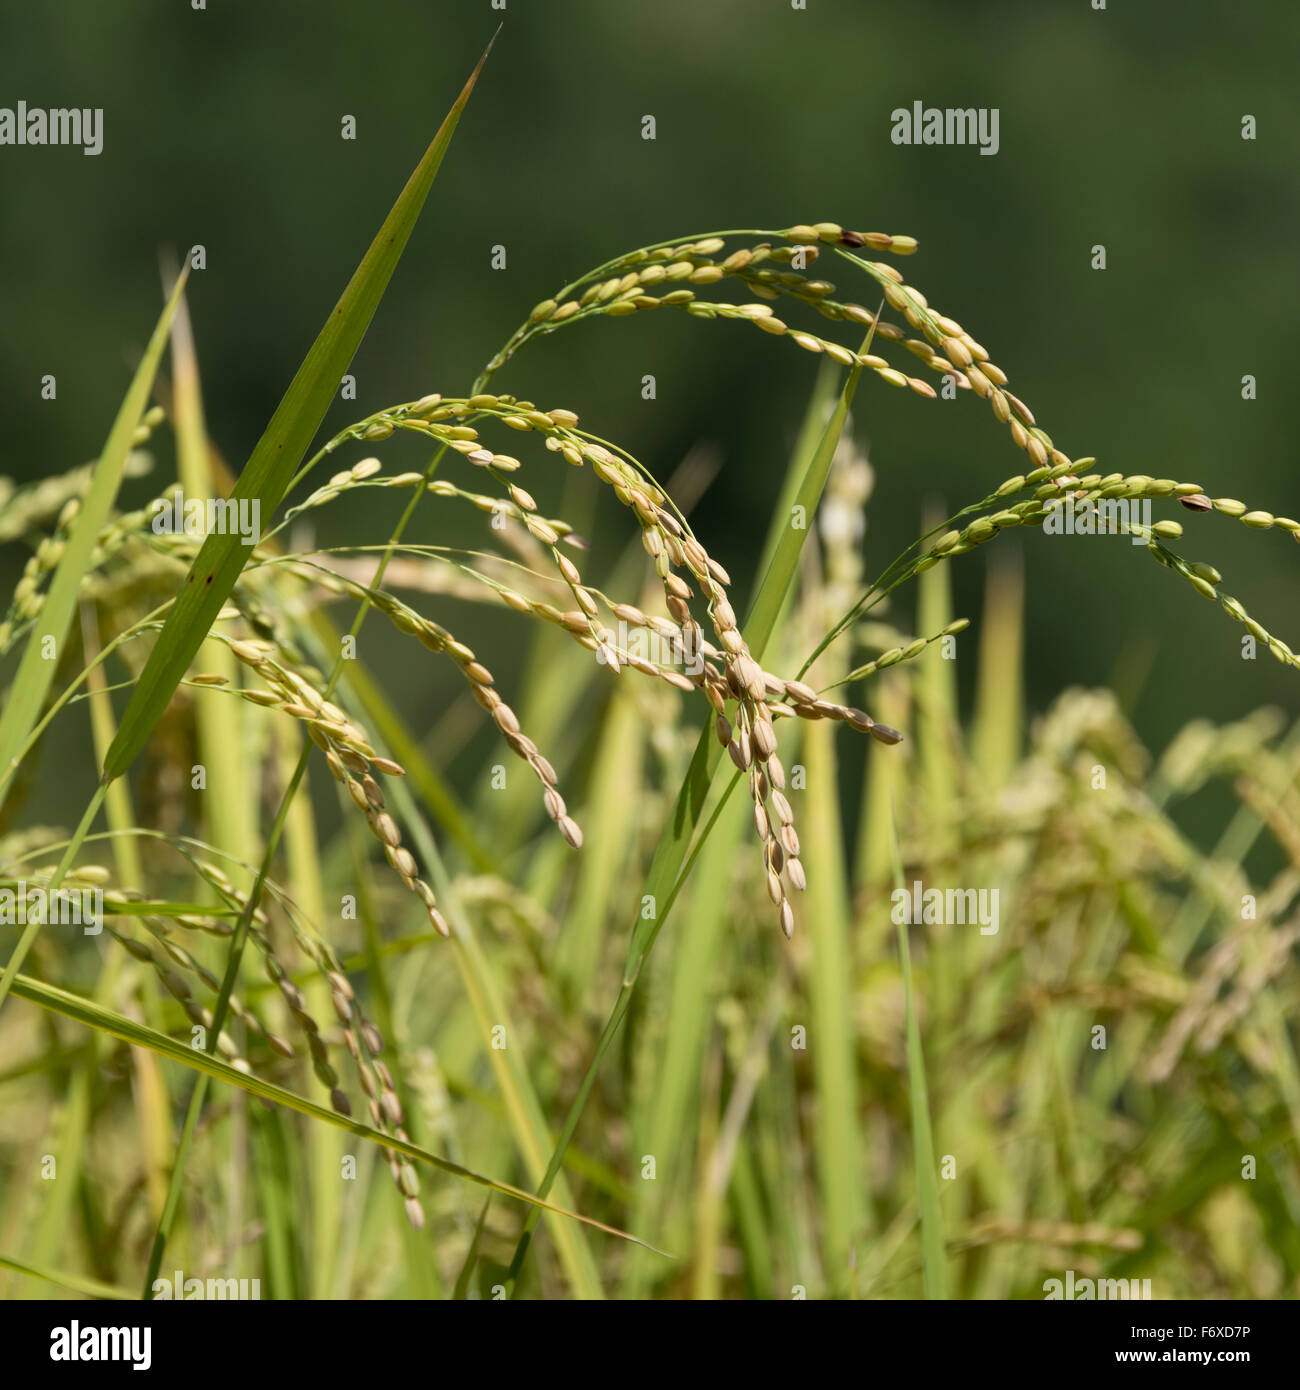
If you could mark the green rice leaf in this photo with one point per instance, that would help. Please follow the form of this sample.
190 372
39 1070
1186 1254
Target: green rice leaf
278 453
82 1010
927 1182
77 1283
35 670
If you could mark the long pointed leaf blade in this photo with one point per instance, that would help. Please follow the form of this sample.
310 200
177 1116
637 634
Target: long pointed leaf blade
933 1249
278 453
704 774
85 1011
35 671
666 875
77 1283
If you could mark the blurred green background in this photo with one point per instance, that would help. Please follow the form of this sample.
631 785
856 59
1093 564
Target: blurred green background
1120 127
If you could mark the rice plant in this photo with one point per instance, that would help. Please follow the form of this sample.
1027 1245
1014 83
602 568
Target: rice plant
833 1108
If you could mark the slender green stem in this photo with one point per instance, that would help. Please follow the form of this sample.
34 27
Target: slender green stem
671 864
134 630
528 329
246 917
69 854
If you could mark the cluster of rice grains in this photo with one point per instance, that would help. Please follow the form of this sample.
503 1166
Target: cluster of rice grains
353 761
675 274
348 753
54 502
707 650
181 973
747 700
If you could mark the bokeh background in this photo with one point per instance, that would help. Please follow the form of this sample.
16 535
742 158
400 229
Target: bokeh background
1120 127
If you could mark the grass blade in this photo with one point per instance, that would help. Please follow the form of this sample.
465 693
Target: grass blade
461 1291
36 670
84 1011
278 453
527 1120
927 1182
665 878
830 976
78 1283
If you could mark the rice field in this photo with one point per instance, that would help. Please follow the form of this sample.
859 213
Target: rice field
702 935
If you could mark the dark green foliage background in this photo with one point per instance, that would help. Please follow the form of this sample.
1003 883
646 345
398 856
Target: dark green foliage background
1120 127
